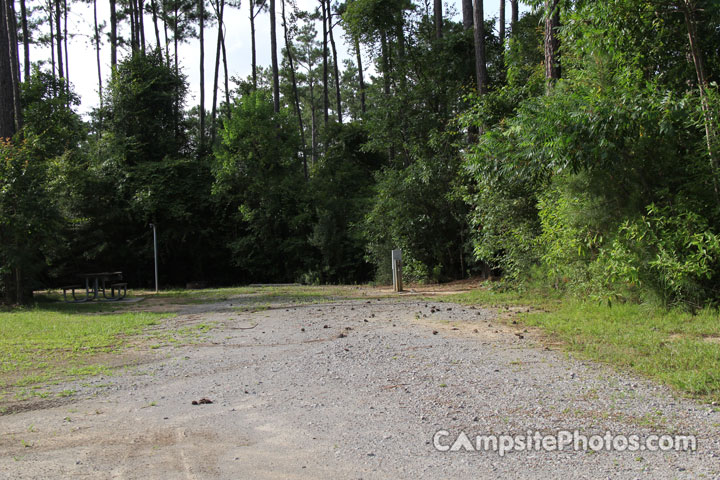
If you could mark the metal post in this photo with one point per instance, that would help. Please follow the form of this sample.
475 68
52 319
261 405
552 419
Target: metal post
397 270
152 225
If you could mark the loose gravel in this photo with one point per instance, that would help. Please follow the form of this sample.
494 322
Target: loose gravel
352 389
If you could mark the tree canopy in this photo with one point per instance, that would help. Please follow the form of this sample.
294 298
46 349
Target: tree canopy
578 148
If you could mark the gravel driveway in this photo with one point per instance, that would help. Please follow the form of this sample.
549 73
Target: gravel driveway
348 390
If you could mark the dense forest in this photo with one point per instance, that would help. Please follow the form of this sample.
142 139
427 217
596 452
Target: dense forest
574 143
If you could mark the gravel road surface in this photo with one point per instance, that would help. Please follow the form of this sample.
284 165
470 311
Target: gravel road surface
353 389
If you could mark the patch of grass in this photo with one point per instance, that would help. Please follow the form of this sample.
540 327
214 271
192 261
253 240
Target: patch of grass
671 346
39 344
498 295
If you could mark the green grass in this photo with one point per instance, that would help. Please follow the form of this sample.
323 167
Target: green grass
671 346
47 341
498 296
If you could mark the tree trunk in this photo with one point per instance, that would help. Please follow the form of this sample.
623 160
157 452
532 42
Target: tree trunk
338 99
58 40
480 65
273 55
141 23
514 16
501 21
201 17
252 44
153 5
65 42
51 21
227 86
552 44
165 30
26 39
131 12
176 106
288 49
361 80
313 120
468 15
326 98
689 9
437 11
97 52
113 34
14 51
9 121
213 120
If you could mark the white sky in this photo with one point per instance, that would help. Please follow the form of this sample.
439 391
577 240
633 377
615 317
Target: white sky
83 66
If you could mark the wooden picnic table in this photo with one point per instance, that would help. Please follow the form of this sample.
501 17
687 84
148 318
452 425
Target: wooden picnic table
97 283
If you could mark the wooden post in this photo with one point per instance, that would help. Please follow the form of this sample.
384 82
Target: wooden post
397 270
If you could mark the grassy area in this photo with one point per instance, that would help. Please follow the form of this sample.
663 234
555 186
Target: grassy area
54 340
672 346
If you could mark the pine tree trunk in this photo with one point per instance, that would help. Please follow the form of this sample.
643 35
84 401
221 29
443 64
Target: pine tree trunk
501 21
131 12
14 51
51 21
338 98
113 34
480 64
288 50
326 98
252 44
97 52
26 39
514 16
141 24
437 11
468 15
361 79
165 30
273 55
227 86
8 120
65 42
176 106
218 49
313 120
153 5
201 17
58 40
552 44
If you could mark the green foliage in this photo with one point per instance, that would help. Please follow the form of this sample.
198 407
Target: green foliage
50 124
28 218
672 251
602 184
259 181
415 209
144 101
341 187
369 18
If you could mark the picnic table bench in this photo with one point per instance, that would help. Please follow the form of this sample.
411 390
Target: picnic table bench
96 284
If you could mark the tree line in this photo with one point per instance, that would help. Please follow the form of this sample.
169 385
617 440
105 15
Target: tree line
574 145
